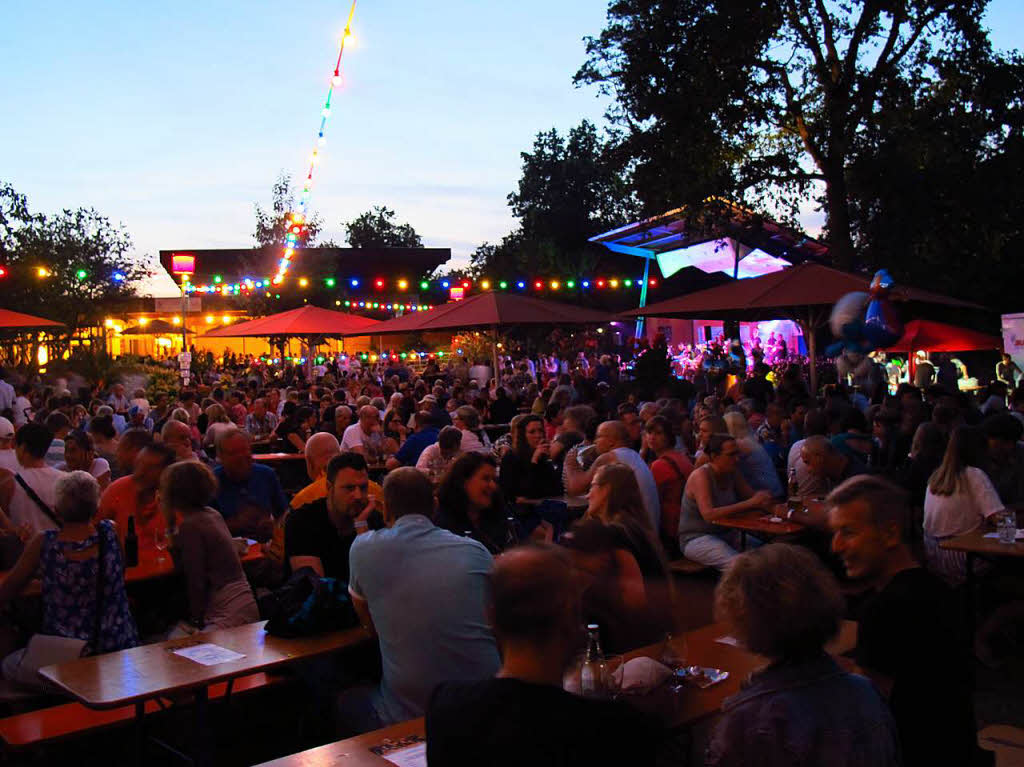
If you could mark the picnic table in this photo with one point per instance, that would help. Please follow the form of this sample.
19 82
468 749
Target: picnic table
154 671
761 524
153 564
976 544
707 646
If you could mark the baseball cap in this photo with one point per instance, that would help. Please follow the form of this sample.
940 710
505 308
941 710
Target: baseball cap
6 428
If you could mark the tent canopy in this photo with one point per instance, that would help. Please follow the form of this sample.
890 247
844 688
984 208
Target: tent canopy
926 335
306 321
491 310
17 321
783 294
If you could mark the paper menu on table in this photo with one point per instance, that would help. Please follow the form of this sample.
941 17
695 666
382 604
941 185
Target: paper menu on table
730 640
208 654
410 756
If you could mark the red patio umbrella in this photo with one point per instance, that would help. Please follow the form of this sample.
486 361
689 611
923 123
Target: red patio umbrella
492 311
804 293
929 336
17 321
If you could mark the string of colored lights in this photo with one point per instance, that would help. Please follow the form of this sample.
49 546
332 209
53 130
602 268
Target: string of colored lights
297 220
401 284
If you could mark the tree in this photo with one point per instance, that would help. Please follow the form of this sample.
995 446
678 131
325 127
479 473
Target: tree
67 266
376 228
272 225
762 101
571 188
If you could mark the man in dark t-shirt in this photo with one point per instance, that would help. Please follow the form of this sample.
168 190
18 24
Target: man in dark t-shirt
911 638
523 716
320 534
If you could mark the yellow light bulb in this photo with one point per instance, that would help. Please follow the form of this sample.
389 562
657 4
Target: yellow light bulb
209 319
303 282
402 284
485 284
226 319
143 321
176 321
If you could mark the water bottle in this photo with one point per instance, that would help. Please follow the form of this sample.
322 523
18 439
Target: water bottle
1006 525
592 670
131 545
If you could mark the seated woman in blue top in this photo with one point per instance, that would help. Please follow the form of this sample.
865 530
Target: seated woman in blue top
83 593
802 708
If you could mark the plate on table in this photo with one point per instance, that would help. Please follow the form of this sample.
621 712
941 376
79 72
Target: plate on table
701 676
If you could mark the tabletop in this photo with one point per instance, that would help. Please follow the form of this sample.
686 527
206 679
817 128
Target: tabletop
272 457
759 522
975 542
703 648
150 671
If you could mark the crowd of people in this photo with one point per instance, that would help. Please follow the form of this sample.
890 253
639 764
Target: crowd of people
497 577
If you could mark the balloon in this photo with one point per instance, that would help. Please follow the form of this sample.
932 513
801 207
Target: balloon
848 309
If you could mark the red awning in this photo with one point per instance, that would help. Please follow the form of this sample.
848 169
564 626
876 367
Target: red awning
925 335
302 322
781 295
17 321
488 310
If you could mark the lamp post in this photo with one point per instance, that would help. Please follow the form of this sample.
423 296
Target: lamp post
184 265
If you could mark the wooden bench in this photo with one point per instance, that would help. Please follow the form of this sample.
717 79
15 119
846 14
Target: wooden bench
66 720
684 566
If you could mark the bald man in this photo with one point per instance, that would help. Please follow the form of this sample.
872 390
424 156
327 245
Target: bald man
524 714
320 449
613 442
178 436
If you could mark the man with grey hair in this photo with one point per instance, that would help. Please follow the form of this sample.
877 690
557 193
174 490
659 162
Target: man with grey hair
826 464
342 419
429 613
364 436
250 496
260 423
613 446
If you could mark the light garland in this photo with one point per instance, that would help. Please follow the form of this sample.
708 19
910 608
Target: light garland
297 219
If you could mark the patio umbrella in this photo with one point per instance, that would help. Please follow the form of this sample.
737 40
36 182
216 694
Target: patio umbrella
804 294
932 336
493 311
17 321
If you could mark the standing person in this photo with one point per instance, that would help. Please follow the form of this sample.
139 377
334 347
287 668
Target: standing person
802 708
715 491
924 374
470 502
59 426
523 716
909 627
526 471
28 494
429 614
219 596
82 577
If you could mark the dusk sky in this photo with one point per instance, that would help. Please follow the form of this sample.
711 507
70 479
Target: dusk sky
174 122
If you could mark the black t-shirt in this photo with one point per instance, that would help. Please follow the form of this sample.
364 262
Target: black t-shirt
309 532
912 632
501 722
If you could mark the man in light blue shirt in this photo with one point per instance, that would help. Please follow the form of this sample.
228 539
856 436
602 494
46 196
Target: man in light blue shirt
424 591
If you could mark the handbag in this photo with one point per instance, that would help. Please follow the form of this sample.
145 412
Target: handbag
308 605
50 650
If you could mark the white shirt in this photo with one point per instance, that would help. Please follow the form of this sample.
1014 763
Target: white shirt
9 461
25 511
354 437
22 407
472 443
481 374
974 501
6 396
100 466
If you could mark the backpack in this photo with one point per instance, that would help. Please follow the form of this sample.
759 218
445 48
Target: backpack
308 605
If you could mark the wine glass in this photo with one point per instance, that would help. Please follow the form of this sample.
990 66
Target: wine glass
673 655
160 542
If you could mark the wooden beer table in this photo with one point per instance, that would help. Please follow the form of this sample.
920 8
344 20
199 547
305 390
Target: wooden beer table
975 544
150 672
691 705
760 524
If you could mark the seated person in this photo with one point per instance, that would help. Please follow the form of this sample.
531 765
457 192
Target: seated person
523 717
135 496
780 602
435 459
219 596
320 533
526 471
250 497
714 491
470 503
424 434
908 628
429 612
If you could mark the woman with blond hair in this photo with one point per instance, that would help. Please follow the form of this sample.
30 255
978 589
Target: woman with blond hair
219 596
960 498
755 464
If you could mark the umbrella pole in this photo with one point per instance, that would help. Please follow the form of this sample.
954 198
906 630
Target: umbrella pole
494 354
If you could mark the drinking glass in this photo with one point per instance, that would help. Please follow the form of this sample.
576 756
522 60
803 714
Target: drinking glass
160 542
673 655
1006 525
